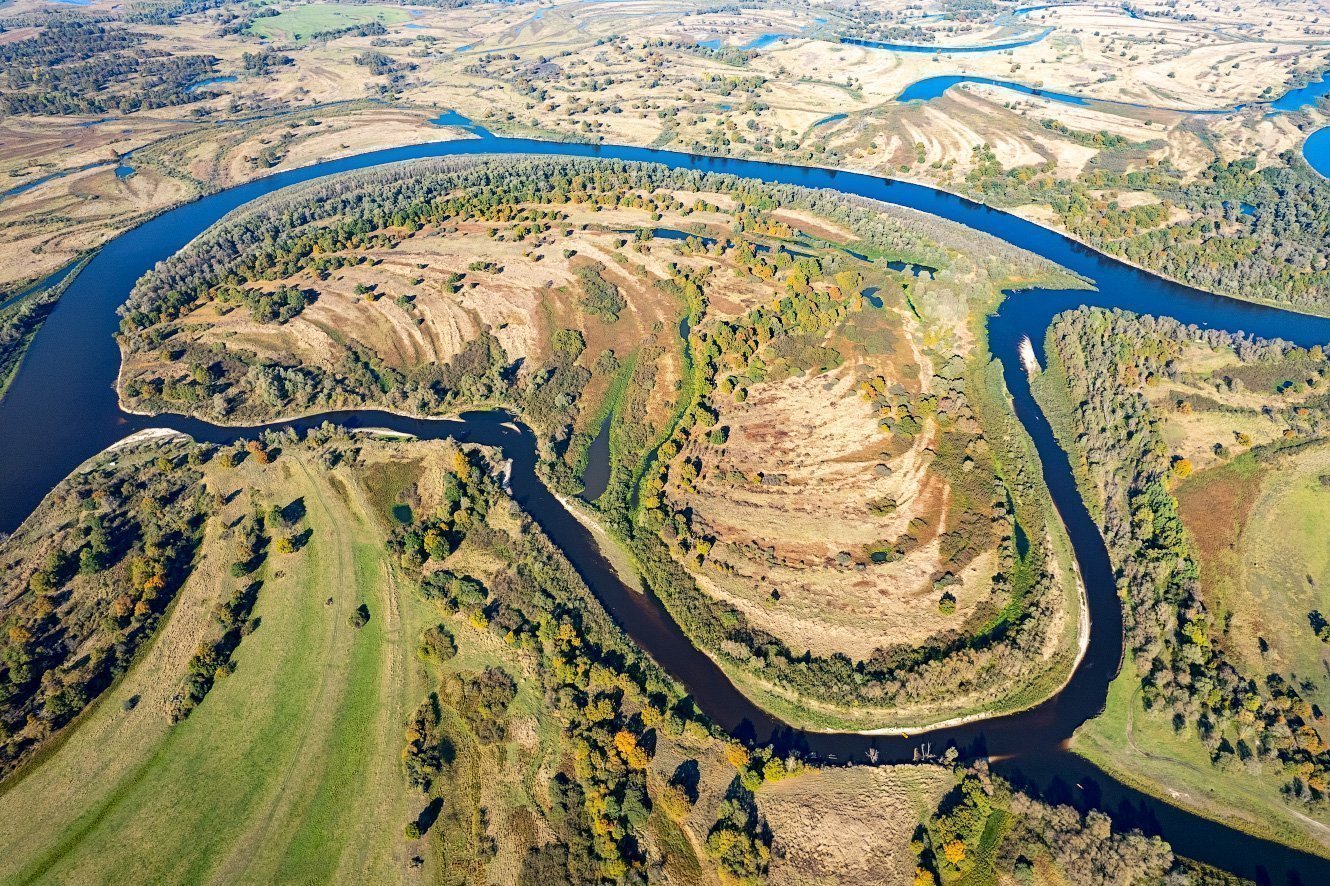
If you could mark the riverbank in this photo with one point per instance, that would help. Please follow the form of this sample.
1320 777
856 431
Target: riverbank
1145 751
614 552
69 405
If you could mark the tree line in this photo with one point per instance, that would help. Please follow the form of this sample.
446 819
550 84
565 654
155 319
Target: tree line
1175 641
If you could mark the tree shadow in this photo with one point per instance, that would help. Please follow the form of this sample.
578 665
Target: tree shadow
430 814
295 511
688 776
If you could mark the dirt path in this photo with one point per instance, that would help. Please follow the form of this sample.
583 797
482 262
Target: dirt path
395 685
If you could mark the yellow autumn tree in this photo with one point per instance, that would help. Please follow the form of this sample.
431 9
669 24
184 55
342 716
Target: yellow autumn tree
675 801
633 753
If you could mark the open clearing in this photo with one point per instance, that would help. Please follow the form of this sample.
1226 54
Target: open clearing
288 770
850 825
1257 518
300 22
1286 566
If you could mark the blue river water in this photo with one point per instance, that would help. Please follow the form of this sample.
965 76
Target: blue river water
211 81
762 41
933 87
830 118
62 408
1316 150
1297 99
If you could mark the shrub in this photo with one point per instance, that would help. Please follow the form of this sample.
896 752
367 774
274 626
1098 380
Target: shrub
437 644
600 296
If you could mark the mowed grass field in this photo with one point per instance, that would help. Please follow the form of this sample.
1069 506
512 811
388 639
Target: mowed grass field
1259 530
1286 562
1142 750
289 770
300 22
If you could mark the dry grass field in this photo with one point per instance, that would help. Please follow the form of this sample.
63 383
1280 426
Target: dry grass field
400 307
795 490
851 825
566 69
1216 401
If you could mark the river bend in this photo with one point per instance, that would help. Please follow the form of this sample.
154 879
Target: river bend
62 409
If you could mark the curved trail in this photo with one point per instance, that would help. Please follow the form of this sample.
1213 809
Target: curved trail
62 409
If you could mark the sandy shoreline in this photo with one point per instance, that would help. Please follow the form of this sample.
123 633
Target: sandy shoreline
147 435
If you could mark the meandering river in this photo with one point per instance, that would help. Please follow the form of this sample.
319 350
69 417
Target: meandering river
62 409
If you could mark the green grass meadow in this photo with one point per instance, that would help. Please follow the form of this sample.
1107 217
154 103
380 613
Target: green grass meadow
299 23
288 771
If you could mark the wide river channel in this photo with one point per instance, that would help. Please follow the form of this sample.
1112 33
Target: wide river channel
62 409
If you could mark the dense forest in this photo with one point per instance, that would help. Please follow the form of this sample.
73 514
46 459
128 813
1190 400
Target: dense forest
78 66
1177 646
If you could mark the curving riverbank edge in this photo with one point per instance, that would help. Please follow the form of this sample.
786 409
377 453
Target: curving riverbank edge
65 405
